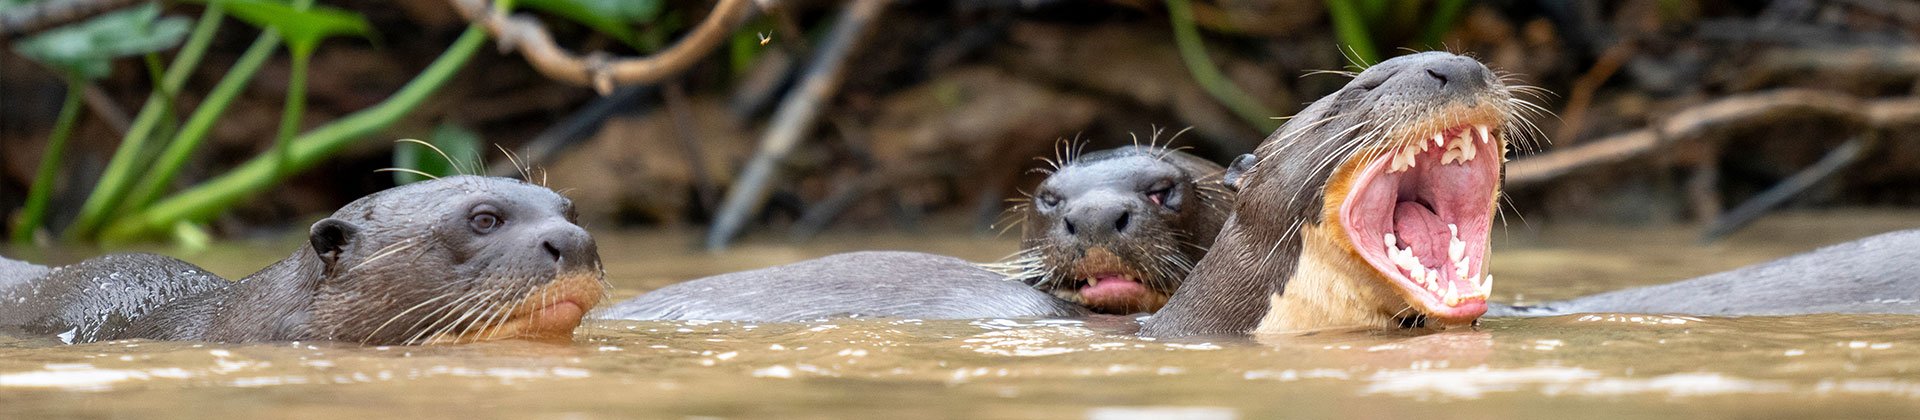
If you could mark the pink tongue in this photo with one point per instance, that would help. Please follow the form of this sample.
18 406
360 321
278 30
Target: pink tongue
1418 228
1112 287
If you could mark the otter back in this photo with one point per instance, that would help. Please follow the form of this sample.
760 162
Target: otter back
125 288
873 283
18 272
1870 275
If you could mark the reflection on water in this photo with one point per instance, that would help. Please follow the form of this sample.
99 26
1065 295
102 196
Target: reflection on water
1581 366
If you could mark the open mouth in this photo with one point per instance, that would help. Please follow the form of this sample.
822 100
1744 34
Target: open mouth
1420 214
1109 286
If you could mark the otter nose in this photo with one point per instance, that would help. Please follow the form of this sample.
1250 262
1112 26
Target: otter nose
1458 74
571 246
1098 216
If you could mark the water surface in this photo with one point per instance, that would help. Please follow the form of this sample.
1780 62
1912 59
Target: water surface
1582 366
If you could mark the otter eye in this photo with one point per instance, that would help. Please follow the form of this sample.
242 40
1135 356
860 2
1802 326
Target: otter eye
1048 199
485 219
1159 191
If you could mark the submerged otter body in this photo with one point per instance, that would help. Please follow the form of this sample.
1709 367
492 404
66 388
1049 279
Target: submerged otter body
1369 209
1873 275
856 284
451 260
1113 231
17 272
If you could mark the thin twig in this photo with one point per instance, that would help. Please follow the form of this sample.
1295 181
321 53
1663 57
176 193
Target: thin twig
572 130
1840 158
1575 113
793 121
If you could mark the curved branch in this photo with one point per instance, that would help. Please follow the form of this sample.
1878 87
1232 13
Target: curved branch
1699 123
599 70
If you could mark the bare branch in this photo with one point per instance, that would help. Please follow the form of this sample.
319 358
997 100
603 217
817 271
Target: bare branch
599 70
1698 123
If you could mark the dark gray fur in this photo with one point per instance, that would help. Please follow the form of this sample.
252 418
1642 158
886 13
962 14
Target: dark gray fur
1874 275
1282 186
367 264
857 284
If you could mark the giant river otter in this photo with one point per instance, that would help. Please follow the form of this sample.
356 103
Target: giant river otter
1112 231
1371 208
456 259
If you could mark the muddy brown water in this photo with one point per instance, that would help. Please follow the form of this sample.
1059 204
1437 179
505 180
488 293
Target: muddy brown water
1583 366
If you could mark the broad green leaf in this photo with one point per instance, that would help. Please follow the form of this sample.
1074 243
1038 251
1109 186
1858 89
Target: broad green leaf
612 17
87 49
302 29
461 146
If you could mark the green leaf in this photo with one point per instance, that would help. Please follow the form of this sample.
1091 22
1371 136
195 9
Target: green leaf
612 17
460 145
87 49
303 28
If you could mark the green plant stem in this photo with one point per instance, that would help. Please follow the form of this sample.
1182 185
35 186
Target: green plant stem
1193 51
36 211
295 107
1351 28
175 156
206 200
120 171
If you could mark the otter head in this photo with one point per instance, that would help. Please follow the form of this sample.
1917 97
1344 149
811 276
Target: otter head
1118 230
1386 191
456 259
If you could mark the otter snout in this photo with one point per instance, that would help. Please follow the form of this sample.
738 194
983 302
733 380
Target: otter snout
1458 75
570 246
1099 216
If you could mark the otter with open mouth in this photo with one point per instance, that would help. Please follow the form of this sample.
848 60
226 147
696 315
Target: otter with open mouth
1371 208
1112 232
452 260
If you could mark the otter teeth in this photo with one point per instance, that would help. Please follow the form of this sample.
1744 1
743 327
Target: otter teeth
1430 278
1459 149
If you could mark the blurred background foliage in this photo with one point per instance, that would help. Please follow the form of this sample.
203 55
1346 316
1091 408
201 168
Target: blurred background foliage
164 122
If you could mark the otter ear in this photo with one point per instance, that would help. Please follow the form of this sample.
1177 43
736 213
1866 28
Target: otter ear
1236 170
330 238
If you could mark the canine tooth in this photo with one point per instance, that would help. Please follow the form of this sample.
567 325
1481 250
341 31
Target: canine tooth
1485 136
1488 284
1456 248
1402 159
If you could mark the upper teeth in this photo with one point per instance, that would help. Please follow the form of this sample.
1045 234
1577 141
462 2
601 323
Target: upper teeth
1459 149
1441 284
